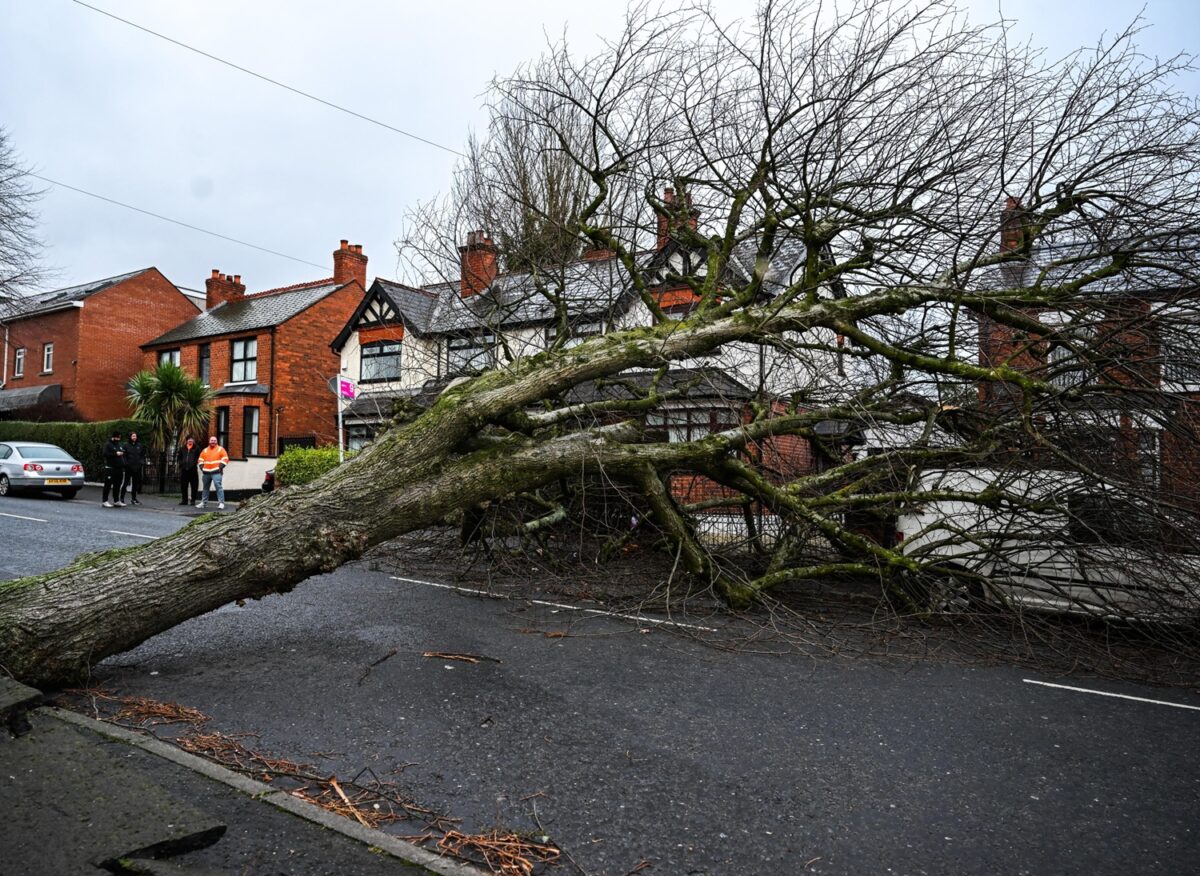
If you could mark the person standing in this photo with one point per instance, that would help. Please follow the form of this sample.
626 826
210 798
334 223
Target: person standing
213 460
135 463
114 471
187 458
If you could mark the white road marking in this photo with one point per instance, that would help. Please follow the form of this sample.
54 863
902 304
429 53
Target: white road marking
134 534
1105 693
19 517
633 617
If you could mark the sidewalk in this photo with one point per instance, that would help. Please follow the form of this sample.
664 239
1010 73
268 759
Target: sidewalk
83 796
169 501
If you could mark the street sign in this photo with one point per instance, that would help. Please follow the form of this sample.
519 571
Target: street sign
346 388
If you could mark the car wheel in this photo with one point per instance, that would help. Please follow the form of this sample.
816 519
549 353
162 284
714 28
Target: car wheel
5 487
70 494
951 594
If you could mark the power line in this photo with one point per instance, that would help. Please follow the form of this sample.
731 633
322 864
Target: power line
270 80
284 255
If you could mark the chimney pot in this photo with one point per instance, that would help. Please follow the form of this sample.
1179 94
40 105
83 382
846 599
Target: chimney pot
349 263
220 288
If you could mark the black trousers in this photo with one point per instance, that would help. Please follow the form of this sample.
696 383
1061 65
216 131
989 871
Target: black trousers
114 479
132 482
190 481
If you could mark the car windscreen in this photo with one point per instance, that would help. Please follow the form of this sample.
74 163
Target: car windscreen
42 452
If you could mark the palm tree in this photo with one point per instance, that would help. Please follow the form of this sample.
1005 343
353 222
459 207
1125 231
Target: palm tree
170 403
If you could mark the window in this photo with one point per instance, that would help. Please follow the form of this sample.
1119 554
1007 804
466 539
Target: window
380 362
171 356
19 363
205 364
250 432
688 424
470 354
577 333
359 436
244 356
223 427
47 358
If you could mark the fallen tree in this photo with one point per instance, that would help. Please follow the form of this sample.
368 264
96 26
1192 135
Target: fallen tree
836 234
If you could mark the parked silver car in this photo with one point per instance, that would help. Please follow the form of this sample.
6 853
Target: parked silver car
27 465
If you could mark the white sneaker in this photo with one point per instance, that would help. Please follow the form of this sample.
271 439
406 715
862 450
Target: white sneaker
107 504
220 506
201 504
120 504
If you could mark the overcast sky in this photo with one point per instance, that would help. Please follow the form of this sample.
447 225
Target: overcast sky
96 104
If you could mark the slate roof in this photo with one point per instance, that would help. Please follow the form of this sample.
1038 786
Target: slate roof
44 301
259 311
593 289
1161 274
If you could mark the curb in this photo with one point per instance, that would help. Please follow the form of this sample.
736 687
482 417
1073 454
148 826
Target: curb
377 839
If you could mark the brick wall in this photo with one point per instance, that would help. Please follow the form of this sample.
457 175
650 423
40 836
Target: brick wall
305 363
381 333
62 330
97 347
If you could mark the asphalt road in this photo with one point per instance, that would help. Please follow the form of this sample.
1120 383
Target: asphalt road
629 742
40 532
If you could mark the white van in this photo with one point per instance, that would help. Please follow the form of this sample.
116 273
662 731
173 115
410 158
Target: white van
1043 540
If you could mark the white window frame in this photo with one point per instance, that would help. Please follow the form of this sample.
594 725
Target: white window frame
246 360
171 356
375 352
250 437
19 362
484 356
48 357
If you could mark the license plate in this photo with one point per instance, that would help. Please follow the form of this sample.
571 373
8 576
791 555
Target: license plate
57 481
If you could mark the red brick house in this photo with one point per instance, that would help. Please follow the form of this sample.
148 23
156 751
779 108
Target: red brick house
69 354
267 357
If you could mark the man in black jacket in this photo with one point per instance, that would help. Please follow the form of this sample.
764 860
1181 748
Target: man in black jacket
187 458
114 470
135 462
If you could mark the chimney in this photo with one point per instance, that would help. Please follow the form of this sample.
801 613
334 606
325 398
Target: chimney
1012 225
349 263
479 263
220 288
664 219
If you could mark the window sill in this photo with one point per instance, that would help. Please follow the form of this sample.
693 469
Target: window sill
45 373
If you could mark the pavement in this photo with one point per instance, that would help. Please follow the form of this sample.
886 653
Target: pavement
82 796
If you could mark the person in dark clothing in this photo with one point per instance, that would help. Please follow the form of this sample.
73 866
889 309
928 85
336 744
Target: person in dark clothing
114 471
187 458
135 463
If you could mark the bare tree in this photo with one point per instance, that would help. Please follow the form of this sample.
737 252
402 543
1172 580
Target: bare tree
20 248
954 270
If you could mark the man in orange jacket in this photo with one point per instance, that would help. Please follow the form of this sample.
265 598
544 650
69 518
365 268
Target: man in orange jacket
213 460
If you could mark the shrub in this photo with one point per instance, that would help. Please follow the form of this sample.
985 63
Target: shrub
84 441
299 465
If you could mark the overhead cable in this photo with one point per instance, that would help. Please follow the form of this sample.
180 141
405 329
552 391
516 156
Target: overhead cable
63 185
275 82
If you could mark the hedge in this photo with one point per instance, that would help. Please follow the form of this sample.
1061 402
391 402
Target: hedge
299 465
84 441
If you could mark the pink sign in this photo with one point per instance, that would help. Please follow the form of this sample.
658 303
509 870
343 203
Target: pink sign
346 387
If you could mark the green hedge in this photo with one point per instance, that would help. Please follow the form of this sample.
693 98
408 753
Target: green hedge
299 465
84 441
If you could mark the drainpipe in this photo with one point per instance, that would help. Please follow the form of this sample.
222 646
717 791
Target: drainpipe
4 382
275 409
